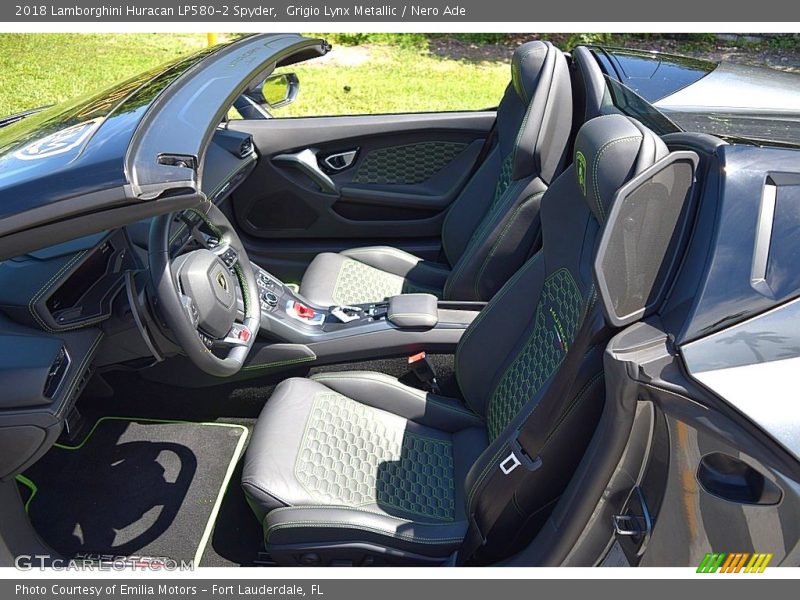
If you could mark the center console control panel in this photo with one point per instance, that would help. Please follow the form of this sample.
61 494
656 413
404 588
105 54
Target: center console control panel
294 329
282 307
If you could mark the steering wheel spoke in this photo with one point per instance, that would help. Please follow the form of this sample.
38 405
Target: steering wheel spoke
239 335
227 254
191 309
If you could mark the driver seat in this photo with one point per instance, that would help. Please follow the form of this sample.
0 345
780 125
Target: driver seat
356 467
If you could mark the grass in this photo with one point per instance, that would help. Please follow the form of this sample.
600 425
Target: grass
37 69
377 77
387 79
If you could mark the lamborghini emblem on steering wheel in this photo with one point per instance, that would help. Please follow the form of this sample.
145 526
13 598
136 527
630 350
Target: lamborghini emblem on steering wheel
222 281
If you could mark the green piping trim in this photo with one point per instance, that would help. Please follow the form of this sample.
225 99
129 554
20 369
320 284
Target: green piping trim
144 420
212 518
499 239
596 166
490 220
237 453
31 486
453 206
280 363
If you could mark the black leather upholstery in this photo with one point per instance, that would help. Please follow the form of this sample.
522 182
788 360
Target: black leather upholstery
493 225
358 458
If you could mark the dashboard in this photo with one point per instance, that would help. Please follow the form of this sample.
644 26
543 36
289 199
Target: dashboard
68 308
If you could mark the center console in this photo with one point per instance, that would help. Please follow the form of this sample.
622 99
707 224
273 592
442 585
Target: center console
295 330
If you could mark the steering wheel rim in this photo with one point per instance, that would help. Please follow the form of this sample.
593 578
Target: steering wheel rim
177 311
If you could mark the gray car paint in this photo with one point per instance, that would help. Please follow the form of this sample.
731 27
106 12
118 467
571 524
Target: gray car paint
739 100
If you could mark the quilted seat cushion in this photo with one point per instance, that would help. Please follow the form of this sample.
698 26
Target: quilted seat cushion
318 448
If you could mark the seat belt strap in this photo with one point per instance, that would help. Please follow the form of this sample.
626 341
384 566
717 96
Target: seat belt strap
524 444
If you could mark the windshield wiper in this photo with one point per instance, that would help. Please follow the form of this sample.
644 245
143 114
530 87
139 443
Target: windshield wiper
19 116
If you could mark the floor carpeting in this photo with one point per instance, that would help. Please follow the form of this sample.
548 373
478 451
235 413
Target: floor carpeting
135 488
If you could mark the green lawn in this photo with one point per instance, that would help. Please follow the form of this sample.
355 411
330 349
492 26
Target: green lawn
37 69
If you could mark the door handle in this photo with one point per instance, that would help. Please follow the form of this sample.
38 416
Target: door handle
732 479
306 161
341 160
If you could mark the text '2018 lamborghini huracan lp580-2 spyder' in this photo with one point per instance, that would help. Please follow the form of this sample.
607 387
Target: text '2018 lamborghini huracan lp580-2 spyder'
561 331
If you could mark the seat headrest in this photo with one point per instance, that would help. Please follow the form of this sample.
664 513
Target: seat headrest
541 83
609 151
526 67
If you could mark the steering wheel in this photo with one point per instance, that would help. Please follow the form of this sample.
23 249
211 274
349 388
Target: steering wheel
196 293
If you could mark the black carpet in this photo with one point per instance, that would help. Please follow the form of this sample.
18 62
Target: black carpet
237 535
134 488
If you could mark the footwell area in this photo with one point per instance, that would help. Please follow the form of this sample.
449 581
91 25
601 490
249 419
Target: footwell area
135 487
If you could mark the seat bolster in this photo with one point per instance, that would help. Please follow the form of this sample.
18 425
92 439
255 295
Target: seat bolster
388 393
501 245
318 525
267 477
404 264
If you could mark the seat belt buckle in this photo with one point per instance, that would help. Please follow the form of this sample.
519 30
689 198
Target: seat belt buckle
421 366
517 457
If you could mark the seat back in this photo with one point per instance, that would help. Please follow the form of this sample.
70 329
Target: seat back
509 355
492 227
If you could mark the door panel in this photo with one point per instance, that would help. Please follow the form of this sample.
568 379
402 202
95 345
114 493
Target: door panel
714 482
331 183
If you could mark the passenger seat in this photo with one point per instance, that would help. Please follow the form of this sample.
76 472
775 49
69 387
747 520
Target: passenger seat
493 225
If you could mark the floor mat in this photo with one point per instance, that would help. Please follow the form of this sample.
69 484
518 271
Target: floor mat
237 539
135 488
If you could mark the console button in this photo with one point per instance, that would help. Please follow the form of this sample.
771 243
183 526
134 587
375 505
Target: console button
304 312
270 298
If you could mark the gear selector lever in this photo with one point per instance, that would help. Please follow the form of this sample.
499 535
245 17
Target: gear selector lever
346 313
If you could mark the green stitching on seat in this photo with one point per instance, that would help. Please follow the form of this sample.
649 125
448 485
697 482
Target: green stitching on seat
356 455
509 285
489 220
503 181
596 167
454 206
358 282
499 239
577 400
555 323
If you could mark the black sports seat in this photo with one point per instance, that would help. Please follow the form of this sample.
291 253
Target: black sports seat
492 227
358 464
